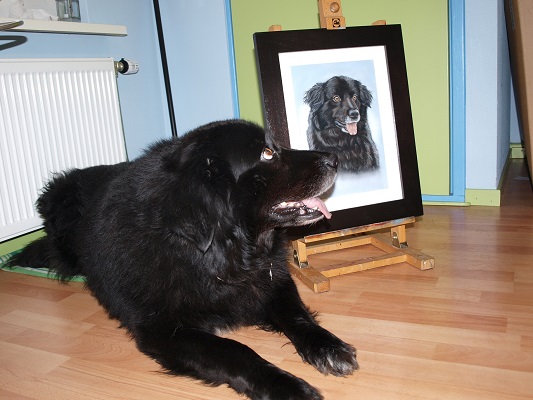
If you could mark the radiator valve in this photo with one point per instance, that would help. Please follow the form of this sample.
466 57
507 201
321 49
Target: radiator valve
127 67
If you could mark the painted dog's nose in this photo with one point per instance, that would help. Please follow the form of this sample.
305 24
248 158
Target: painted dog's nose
353 113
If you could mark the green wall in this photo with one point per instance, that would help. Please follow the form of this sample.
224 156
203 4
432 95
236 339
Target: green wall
425 31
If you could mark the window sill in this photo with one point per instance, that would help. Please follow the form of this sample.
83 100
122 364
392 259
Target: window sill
81 28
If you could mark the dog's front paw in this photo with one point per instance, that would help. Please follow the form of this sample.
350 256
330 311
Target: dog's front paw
337 359
329 354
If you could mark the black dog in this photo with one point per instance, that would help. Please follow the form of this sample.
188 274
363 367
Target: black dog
185 242
338 123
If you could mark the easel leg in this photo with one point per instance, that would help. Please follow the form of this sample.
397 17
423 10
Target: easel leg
300 253
310 277
300 268
398 236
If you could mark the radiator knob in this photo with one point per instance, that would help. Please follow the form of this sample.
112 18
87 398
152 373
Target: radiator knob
127 67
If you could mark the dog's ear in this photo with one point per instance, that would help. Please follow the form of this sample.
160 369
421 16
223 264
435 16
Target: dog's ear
200 199
314 97
365 96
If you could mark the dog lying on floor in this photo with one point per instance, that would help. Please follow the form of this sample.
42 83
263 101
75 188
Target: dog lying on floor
338 123
188 240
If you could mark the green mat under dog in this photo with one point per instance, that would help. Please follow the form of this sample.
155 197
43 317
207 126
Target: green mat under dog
41 272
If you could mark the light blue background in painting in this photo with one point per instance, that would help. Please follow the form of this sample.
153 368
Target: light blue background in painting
305 77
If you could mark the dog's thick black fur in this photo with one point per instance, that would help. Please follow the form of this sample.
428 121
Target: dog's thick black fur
187 241
338 123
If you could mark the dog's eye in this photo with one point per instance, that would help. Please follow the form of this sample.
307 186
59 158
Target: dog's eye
336 98
354 97
267 154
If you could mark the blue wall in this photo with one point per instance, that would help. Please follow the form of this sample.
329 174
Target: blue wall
488 94
142 98
200 58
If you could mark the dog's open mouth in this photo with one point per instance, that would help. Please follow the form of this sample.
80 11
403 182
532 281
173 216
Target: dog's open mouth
312 208
348 127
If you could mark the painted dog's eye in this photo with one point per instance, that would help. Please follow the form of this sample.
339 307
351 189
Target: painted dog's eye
336 98
267 154
354 97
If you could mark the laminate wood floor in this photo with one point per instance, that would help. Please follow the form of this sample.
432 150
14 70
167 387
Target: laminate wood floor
463 330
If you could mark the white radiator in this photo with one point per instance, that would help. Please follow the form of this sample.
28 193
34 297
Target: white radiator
55 114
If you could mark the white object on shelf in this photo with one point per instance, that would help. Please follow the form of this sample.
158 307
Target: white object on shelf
83 28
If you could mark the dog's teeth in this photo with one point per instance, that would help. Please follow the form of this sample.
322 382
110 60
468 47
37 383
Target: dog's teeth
290 204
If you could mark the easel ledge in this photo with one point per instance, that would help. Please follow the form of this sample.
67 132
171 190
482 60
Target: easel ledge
394 246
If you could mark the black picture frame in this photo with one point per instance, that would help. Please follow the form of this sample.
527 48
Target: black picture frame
386 41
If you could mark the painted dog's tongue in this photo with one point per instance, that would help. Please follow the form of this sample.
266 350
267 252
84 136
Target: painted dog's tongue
315 202
351 127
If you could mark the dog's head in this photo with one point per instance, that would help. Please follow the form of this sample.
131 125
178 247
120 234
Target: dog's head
339 102
234 174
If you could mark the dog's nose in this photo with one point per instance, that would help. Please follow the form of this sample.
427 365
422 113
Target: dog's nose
353 113
332 161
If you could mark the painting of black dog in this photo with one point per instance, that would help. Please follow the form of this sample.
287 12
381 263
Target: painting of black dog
188 241
338 123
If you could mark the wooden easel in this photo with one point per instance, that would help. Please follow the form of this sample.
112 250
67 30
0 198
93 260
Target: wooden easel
394 247
394 250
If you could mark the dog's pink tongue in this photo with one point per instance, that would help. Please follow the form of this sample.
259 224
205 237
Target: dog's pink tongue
352 128
315 202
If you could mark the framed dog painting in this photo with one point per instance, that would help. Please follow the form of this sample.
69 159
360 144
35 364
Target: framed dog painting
346 92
